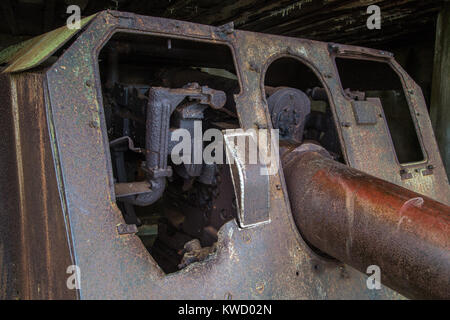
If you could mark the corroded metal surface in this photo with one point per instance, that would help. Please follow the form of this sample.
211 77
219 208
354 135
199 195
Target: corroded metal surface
370 148
267 261
34 248
365 221
9 197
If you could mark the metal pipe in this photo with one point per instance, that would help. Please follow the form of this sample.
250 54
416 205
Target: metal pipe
362 220
126 189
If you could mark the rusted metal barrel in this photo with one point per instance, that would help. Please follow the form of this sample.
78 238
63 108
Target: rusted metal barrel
362 220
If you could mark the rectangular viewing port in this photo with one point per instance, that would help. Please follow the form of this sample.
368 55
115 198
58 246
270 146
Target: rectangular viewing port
153 87
376 79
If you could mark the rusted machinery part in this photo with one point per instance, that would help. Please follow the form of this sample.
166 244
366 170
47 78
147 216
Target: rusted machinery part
127 139
161 104
289 109
140 198
362 221
125 189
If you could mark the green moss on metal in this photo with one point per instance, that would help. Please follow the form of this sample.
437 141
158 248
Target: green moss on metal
32 52
8 53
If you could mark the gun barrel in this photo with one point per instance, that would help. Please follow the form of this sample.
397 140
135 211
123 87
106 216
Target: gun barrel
362 221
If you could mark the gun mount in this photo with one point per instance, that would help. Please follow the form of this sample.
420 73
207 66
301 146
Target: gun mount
89 123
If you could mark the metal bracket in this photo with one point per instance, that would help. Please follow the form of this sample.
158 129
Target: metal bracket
251 186
127 229
366 111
